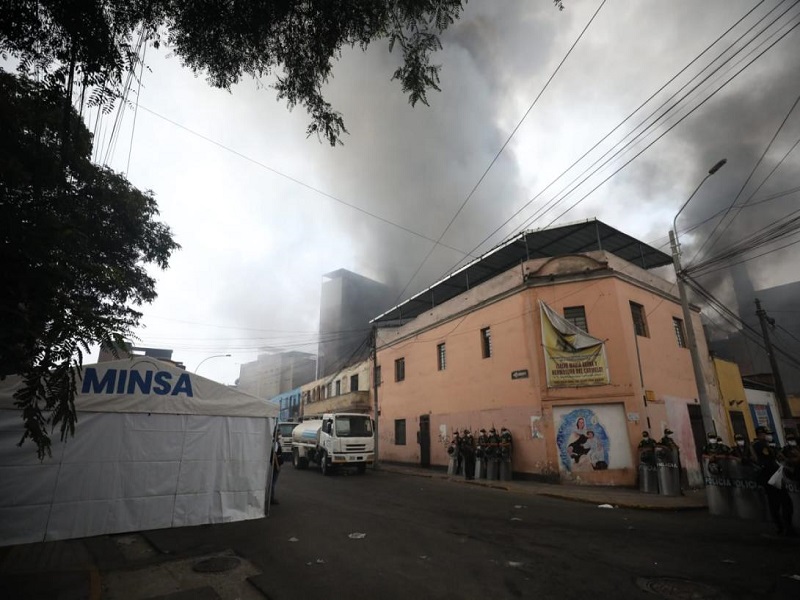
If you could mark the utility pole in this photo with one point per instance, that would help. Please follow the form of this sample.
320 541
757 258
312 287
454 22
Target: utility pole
786 412
697 365
375 383
691 339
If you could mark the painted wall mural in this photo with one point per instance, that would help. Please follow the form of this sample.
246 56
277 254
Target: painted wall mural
592 438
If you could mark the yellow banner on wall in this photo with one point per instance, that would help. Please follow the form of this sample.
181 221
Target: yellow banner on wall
572 357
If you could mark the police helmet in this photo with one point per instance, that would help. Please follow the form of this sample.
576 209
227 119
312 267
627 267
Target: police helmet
762 429
738 436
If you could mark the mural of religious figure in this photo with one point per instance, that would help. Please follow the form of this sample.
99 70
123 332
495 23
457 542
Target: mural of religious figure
582 441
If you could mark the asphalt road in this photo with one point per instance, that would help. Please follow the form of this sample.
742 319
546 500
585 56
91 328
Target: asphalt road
431 538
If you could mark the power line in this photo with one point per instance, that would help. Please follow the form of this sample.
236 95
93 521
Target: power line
736 321
672 126
295 180
613 130
496 156
744 185
616 150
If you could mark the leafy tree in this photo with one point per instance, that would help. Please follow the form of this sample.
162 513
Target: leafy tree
94 43
75 239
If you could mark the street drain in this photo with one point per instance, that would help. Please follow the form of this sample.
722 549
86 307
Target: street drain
218 564
678 589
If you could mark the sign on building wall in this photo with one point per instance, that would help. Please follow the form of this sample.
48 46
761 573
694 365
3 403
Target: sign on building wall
572 357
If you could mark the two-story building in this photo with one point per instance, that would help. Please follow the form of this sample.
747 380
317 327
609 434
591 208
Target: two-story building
565 337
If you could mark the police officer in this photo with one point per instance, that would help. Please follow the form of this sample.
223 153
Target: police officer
791 457
494 445
766 455
468 454
505 443
647 441
667 440
715 447
454 450
740 449
482 445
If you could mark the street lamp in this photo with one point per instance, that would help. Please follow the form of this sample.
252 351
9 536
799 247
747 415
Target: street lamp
209 358
697 365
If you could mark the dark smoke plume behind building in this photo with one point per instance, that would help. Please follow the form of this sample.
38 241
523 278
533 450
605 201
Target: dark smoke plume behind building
347 304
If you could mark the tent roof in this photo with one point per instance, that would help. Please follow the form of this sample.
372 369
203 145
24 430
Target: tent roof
148 385
573 238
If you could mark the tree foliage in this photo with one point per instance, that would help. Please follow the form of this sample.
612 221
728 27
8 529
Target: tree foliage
75 240
93 43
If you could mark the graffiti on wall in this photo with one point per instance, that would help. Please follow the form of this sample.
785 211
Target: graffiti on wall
582 441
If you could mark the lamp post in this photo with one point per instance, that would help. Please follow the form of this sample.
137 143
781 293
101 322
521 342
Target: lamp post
697 365
209 358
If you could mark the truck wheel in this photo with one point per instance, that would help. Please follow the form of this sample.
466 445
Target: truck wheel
299 462
323 464
361 468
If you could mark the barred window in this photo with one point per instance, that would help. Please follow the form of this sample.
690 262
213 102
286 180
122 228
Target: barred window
577 316
680 332
639 320
486 342
400 369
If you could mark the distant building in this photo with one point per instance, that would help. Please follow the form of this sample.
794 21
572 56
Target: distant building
109 353
273 374
347 303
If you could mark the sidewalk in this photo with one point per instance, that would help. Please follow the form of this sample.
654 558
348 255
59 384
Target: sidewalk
620 497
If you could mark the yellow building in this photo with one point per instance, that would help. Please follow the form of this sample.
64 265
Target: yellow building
734 401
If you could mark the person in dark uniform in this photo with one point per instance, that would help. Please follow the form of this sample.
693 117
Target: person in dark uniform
715 447
766 455
468 452
740 449
667 440
454 450
791 458
647 441
493 452
276 459
483 443
506 443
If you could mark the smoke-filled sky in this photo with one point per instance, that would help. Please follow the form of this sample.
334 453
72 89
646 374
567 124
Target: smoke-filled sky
262 221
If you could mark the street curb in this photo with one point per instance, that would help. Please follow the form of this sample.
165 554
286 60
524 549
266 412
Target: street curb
623 504
546 494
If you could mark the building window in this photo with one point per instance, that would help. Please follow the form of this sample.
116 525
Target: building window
377 381
680 333
441 357
354 383
486 342
400 432
577 316
338 386
329 389
400 369
639 320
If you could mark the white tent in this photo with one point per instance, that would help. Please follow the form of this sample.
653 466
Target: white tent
155 446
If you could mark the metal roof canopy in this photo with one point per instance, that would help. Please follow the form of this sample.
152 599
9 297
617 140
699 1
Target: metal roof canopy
573 238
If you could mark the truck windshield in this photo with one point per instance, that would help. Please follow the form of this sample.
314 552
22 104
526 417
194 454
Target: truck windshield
354 426
286 429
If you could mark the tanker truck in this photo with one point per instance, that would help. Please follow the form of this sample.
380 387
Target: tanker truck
334 440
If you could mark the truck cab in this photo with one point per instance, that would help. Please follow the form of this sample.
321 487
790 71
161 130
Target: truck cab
285 436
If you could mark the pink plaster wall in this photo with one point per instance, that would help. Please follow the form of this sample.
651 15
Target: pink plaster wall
475 392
